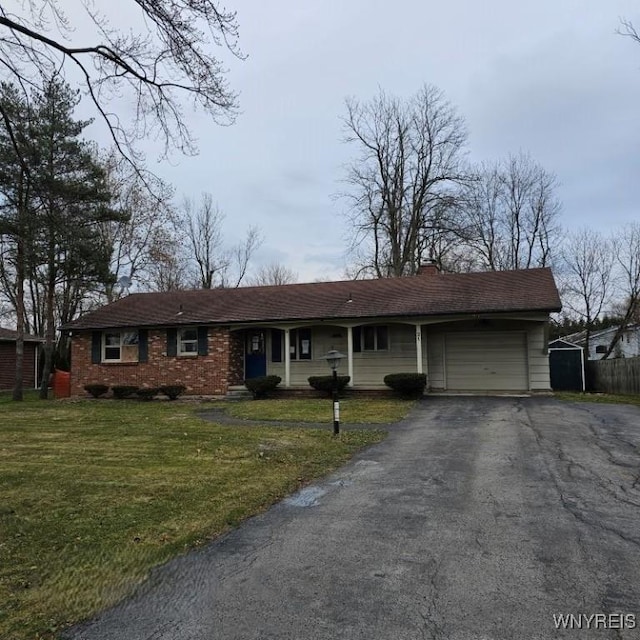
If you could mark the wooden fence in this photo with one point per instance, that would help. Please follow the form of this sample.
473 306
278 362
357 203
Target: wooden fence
621 375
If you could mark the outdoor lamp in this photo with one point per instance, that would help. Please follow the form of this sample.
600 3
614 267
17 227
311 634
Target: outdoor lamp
333 360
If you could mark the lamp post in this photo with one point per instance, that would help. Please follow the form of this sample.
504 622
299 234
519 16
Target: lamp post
333 360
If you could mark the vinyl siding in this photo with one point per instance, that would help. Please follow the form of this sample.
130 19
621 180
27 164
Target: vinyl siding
369 367
323 339
539 379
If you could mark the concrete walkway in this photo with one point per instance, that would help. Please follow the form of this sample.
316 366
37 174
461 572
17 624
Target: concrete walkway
477 519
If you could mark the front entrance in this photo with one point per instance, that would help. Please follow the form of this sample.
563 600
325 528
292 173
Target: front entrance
255 358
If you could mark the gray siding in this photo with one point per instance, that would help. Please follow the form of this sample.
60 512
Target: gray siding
530 369
539 379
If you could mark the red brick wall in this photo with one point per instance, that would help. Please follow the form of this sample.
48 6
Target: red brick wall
8 365
202 375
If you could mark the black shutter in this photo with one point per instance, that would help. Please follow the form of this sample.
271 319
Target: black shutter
172 342
203 341
143 348
276 345
96 347
356 334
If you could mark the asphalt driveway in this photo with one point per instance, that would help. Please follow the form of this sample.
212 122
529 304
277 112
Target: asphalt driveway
477 519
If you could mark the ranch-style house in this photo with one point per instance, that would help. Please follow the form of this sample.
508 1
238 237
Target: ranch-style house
469 332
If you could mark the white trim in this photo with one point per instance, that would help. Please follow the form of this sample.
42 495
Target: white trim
179 342
120 332
584 381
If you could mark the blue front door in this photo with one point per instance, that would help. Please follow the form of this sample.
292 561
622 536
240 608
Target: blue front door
255 358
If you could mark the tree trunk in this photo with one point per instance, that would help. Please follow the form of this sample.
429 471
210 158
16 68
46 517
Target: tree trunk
49 345
17 387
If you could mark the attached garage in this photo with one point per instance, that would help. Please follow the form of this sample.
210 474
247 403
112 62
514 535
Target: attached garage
482 361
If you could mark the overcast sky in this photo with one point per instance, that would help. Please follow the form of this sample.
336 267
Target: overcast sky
549 77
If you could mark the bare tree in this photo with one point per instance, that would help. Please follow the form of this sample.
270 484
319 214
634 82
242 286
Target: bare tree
204 232
168 269
587 275
510 214
215 265
144 232
628 30
274 273
409 164
162 56
627 262
240 257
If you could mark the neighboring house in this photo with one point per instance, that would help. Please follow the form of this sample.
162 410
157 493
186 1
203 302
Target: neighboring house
467 332
627 347
8 359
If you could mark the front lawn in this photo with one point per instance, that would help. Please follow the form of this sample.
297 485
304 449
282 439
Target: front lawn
94 493
352 410
606 398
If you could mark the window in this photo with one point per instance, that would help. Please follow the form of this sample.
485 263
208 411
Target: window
188 341
120 346
601 348
300 344
371 338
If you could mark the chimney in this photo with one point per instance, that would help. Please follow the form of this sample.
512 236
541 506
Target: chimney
428 268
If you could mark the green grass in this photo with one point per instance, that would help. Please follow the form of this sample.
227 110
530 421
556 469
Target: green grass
94 493
352 410
605 398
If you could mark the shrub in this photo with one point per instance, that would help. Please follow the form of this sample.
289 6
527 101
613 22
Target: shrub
262 386
95 389
147 393
123 391
407 384
172 391
325 383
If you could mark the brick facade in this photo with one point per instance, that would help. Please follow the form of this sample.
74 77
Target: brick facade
202 375
8 365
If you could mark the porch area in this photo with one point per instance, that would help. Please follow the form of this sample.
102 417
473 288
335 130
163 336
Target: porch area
457 354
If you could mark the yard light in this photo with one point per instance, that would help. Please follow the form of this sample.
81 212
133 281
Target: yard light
333 360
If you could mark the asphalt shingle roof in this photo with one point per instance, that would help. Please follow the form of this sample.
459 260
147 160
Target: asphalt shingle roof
423 295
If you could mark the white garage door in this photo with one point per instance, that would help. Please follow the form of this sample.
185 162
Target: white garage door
491 361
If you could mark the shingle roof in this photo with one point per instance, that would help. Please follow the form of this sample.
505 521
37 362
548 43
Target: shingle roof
423 295
12 336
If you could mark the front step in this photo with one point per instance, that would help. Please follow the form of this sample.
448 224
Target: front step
238 393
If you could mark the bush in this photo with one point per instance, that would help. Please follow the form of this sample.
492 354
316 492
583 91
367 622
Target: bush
407 384
122 391
172 391
262 386
95 389
325 383
147 393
